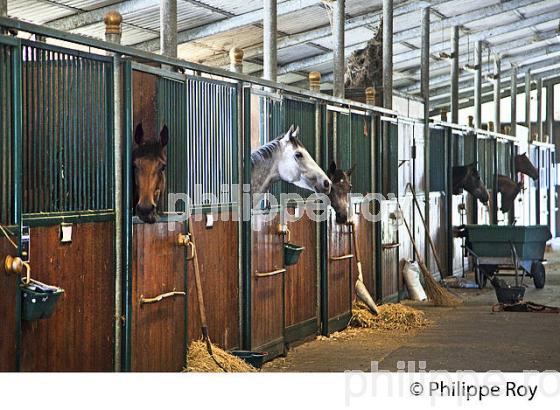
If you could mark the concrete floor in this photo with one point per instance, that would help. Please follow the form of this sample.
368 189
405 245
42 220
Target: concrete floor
469 337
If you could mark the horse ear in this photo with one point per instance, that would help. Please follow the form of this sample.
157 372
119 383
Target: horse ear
139 134
350 170
296 132
291 130
164 136
332 168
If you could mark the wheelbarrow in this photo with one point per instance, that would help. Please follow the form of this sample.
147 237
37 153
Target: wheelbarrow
496 248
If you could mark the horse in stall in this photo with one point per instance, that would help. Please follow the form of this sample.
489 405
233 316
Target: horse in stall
149 159
285 158
509 190
468 178
524 165
341 187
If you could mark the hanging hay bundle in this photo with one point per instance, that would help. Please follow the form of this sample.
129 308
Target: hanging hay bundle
391 317
200 361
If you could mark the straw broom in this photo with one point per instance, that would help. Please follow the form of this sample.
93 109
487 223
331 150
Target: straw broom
435 292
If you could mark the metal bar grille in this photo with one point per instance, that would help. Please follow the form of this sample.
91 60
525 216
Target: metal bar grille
209 157
361 153
6 194
67 139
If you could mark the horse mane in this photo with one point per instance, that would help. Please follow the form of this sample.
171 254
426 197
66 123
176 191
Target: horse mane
265 151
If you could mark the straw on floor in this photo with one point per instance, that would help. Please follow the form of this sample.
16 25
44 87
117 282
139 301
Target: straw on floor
200 361
392 316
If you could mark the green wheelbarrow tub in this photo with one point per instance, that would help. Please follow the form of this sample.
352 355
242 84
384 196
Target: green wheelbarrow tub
291 253
494 240
37 305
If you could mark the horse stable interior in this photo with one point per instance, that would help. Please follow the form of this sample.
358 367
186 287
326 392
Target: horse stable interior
471 85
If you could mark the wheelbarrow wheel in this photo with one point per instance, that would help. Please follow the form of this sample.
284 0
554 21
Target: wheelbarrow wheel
538 274
480 277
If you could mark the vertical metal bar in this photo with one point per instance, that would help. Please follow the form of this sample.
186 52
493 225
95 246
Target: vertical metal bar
513 94
449 199
388 54
246 222
495 182
17 172
455 75
168 27
497 95
338 34
425 86
269 39
539 110
528 104
323 227
124 187
550 114
478 85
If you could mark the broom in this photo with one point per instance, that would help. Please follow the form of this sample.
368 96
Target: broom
435 292
361 290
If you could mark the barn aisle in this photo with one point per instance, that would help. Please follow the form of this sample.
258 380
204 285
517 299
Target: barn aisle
469 337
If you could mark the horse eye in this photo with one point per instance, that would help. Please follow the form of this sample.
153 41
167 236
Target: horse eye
162 167
299 155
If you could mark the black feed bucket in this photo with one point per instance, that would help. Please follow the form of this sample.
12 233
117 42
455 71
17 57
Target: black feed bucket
38 302
510 296
255 359
291 253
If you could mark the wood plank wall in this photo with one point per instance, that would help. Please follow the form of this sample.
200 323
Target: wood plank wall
217 249
79 335
339 272
10 293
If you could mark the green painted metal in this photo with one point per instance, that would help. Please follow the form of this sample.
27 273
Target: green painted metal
361 141
323 235
438 165
342 152
378 185
6 153
127 218
67 138
246 225
448 144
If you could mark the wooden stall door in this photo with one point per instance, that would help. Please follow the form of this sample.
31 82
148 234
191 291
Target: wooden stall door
158 329
300 284
267 294
340 286
217 249
79 335
366 242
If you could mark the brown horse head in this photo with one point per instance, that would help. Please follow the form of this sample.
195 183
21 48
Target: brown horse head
524 165
468 178
509 190
341 187
149 159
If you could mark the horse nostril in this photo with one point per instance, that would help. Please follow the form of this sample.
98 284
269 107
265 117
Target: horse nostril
326 183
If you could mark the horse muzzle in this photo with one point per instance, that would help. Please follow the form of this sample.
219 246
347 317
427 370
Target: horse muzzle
146 213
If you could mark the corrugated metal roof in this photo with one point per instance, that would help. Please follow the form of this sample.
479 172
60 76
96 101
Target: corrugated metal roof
143 25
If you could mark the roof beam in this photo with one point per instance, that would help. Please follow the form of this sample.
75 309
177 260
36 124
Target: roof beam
482 35
227 24
441 82
506 49
370 18
467 86
86 18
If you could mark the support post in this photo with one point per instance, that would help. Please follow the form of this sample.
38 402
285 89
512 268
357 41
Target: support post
539 111
315 81
269 40
236 60
528 104
497 95
388 54
550 112
168 28
513 95
425 88
478 85
113 32
455 74
338 52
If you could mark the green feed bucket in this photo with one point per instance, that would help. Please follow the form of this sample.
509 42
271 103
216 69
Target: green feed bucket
291 253
38 303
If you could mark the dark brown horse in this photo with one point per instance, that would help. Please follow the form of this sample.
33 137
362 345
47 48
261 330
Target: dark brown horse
509 190
468 178
524 165
149 159
341 187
